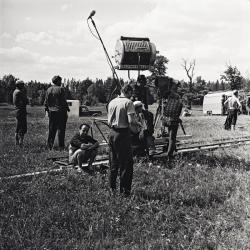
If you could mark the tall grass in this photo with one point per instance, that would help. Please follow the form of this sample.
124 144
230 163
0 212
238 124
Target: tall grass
200 201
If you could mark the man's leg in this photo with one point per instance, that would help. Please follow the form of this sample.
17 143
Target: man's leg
62 120
172 140
23 129
125 157
52 129
234 119
113 160
17 131
92 156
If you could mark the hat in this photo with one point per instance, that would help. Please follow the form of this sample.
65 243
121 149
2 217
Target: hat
19 84
138 104
235 92
56 79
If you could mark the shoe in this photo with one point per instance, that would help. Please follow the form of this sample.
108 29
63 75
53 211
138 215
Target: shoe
78 169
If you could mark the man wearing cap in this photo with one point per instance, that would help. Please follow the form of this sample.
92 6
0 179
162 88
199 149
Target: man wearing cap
20 102
140 91
121 119
233 106
143 138
57 107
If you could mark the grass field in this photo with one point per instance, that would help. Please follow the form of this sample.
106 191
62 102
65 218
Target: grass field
201 201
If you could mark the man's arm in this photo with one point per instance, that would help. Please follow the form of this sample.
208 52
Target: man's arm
63 100
76 141
46 102
94 146
226 101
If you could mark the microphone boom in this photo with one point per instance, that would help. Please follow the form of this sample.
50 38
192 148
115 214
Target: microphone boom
92 13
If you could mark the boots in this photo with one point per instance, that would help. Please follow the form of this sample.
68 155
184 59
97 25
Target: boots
17 139
21 140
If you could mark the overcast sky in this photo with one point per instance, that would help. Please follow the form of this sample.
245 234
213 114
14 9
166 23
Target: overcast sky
41 38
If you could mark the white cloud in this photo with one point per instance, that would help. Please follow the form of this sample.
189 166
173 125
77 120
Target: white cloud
65 7
17 55
28 18
71 37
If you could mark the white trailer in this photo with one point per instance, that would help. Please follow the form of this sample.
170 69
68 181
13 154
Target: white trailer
213 102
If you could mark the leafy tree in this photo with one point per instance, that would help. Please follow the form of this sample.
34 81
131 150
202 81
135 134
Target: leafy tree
222 85
10 82
159 68
232 76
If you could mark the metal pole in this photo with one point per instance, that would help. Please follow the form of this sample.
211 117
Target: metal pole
105 50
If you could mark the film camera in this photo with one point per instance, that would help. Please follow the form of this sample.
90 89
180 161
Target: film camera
164 86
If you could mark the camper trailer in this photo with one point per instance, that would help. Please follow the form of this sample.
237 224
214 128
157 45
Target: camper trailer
213 103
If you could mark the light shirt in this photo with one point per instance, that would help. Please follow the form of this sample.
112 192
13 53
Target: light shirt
233 103
118 111
140 123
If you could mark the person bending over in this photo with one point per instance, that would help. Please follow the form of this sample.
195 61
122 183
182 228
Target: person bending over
142 138
83 148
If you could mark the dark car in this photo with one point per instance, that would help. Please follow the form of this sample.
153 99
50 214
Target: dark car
84 111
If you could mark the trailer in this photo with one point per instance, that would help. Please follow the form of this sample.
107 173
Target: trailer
213 103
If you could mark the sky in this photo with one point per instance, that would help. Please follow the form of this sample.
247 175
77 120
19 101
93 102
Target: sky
43 38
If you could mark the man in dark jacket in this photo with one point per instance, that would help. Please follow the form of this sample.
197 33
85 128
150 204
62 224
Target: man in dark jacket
171 119
20 101
82 147
57 107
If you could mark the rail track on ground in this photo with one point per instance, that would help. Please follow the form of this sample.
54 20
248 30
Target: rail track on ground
60 164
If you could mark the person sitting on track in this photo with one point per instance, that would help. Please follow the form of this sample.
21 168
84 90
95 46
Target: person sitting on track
83 147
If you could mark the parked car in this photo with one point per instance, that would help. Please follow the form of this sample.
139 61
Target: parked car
84 111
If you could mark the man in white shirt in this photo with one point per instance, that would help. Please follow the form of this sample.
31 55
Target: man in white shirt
121 120
233 106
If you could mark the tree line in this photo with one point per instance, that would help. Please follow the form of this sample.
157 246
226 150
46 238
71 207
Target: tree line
90 92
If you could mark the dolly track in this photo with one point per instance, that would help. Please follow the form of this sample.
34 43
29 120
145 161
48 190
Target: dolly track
63 166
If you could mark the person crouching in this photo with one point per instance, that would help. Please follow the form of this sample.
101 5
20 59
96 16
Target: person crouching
83 148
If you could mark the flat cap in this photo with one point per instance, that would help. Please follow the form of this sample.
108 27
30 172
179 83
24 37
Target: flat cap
56 79
19 83
138 104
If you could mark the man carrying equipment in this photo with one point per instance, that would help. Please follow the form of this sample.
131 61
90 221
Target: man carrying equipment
121 119
170 119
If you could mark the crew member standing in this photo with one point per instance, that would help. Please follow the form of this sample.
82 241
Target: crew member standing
20 101
171 119
57 107
233 106
140 91
121 119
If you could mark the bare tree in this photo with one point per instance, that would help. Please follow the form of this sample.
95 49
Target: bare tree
189 68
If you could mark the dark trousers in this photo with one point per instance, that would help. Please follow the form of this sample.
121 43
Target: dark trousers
57 123
121 159
172 131
231 119
21 125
